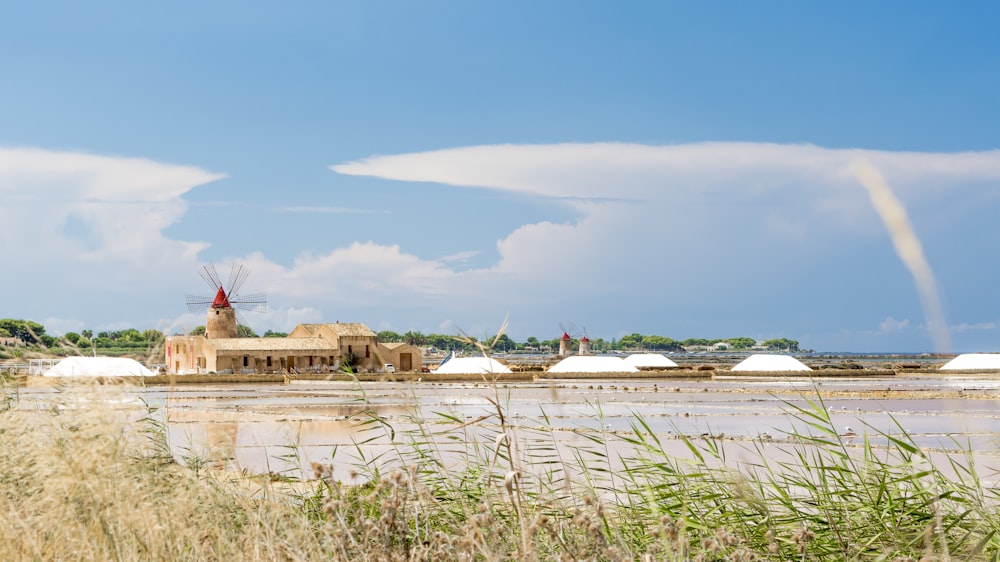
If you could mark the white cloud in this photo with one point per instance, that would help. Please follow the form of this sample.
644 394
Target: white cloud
737 232
890 324
84 232
713 222
460 257
285 318
695 199
975 327
70 207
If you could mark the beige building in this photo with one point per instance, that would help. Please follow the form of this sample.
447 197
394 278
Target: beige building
309 348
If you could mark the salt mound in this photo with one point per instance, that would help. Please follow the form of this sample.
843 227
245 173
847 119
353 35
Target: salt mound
970 361
592 364
98 367
472 366
649 360
765 362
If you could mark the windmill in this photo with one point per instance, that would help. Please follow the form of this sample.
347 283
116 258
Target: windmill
566 341
585 343
223 308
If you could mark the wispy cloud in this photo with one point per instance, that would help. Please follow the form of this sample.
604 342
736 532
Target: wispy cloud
332 210
461 257
975 327
890 324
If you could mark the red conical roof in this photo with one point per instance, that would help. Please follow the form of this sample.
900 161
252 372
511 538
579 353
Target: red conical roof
221 300
565 336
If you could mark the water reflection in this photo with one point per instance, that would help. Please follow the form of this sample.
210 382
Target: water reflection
282 429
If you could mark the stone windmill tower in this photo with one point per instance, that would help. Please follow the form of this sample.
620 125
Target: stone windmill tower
585 344
222 316
566 341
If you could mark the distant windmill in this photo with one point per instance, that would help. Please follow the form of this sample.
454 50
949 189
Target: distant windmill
222 309
566 341
585 343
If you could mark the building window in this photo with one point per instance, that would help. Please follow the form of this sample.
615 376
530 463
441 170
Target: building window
367 353
349 350
268 360
246 361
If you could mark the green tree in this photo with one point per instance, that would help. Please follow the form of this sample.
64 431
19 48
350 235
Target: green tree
72 337
130 335
389 336
552 344
87 333
243 331
415 338
741 343
197 331
631 341
532 341
504 343
25 330
661 343
273 334
783 344
152 336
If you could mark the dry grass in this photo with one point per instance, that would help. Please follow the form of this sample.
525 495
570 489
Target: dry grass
88 481
82 484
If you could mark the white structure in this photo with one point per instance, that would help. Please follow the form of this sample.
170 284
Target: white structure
649 361
472 366
973 361
98 367
765 362
592 364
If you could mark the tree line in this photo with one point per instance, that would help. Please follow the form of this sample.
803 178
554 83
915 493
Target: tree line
132 341
631 342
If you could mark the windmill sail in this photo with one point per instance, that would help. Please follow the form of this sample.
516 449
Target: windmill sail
226 294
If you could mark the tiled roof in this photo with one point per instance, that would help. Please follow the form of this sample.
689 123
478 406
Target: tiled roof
270 344
351 329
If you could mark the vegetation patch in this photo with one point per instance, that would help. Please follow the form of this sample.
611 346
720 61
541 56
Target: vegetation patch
92 482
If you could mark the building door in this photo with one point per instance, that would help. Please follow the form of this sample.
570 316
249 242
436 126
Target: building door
291 362
405 361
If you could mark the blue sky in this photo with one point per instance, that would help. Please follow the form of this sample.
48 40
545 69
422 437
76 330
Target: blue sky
676 168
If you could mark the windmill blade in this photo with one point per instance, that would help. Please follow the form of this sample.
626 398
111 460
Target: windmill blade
255 302
196 303
241 320
237 275
210 276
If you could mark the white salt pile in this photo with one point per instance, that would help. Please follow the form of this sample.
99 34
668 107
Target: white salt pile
765 362
472 366
647 360
592 364
98 367
972 361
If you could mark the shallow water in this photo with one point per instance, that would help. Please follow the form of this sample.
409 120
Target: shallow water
278 428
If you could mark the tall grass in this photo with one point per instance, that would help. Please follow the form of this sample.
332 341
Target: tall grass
86 482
